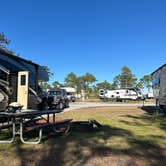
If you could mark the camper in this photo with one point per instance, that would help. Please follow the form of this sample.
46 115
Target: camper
159 86
70 93
19 80
121 94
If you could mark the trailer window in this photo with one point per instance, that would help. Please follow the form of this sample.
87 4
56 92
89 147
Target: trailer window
155 81
23 80
69 93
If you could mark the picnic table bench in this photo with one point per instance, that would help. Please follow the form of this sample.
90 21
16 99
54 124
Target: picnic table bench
27 121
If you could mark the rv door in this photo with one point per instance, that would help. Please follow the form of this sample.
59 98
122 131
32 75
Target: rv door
23 83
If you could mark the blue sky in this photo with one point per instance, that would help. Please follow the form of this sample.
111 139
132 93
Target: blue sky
95 36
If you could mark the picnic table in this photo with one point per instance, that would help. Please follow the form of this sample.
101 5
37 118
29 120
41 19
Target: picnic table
24 119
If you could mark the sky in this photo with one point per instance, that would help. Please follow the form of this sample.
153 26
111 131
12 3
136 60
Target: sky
94 36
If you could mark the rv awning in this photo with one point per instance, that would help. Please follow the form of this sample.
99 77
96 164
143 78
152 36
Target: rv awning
42 74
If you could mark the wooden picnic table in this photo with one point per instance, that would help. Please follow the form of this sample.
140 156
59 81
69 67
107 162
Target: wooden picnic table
25 117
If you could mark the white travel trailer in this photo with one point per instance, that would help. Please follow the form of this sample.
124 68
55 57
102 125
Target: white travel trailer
70 93
121 94
159 86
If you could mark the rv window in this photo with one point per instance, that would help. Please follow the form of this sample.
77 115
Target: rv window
23 80
117 92
69 93
127 91
155 81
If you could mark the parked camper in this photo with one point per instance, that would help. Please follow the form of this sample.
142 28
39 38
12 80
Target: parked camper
121 94
19 81
70 93
150 95
159 86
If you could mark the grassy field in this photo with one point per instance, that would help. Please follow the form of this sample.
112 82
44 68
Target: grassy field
129 136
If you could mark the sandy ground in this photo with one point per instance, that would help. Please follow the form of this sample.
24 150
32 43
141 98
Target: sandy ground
79 105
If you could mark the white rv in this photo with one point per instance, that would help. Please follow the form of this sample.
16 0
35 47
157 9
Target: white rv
70 93
159 86
121 94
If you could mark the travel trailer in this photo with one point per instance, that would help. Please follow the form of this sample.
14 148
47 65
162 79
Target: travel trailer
121 94
159 86
150 95
70 93
19 80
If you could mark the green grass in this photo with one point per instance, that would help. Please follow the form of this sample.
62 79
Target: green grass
129 136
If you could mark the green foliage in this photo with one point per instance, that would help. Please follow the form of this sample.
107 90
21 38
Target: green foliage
104 85
45 86
86 80
50 74
146 82
116 82
3 41
71 80
139 85
56 85
125 79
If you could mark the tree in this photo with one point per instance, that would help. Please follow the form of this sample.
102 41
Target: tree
71 80
116 82
85 81
50 74
104 85
127 79
3 41
45 86
139 85
56 84
146 82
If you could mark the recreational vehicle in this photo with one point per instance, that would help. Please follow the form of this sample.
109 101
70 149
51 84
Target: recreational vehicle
121 94
159 86
19 81
70 93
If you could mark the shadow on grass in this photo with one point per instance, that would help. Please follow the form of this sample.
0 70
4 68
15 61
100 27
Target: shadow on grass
91 148
80 148
149 109
150 118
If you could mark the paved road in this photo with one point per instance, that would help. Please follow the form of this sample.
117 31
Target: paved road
79 105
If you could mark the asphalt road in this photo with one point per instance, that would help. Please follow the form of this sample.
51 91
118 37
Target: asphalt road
79 105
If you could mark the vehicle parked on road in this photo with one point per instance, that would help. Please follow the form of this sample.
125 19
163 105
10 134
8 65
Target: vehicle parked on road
57 98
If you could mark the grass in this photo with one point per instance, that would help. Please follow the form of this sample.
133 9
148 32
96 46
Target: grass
129 136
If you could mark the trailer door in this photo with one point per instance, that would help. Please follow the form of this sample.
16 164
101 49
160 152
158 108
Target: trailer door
22 93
